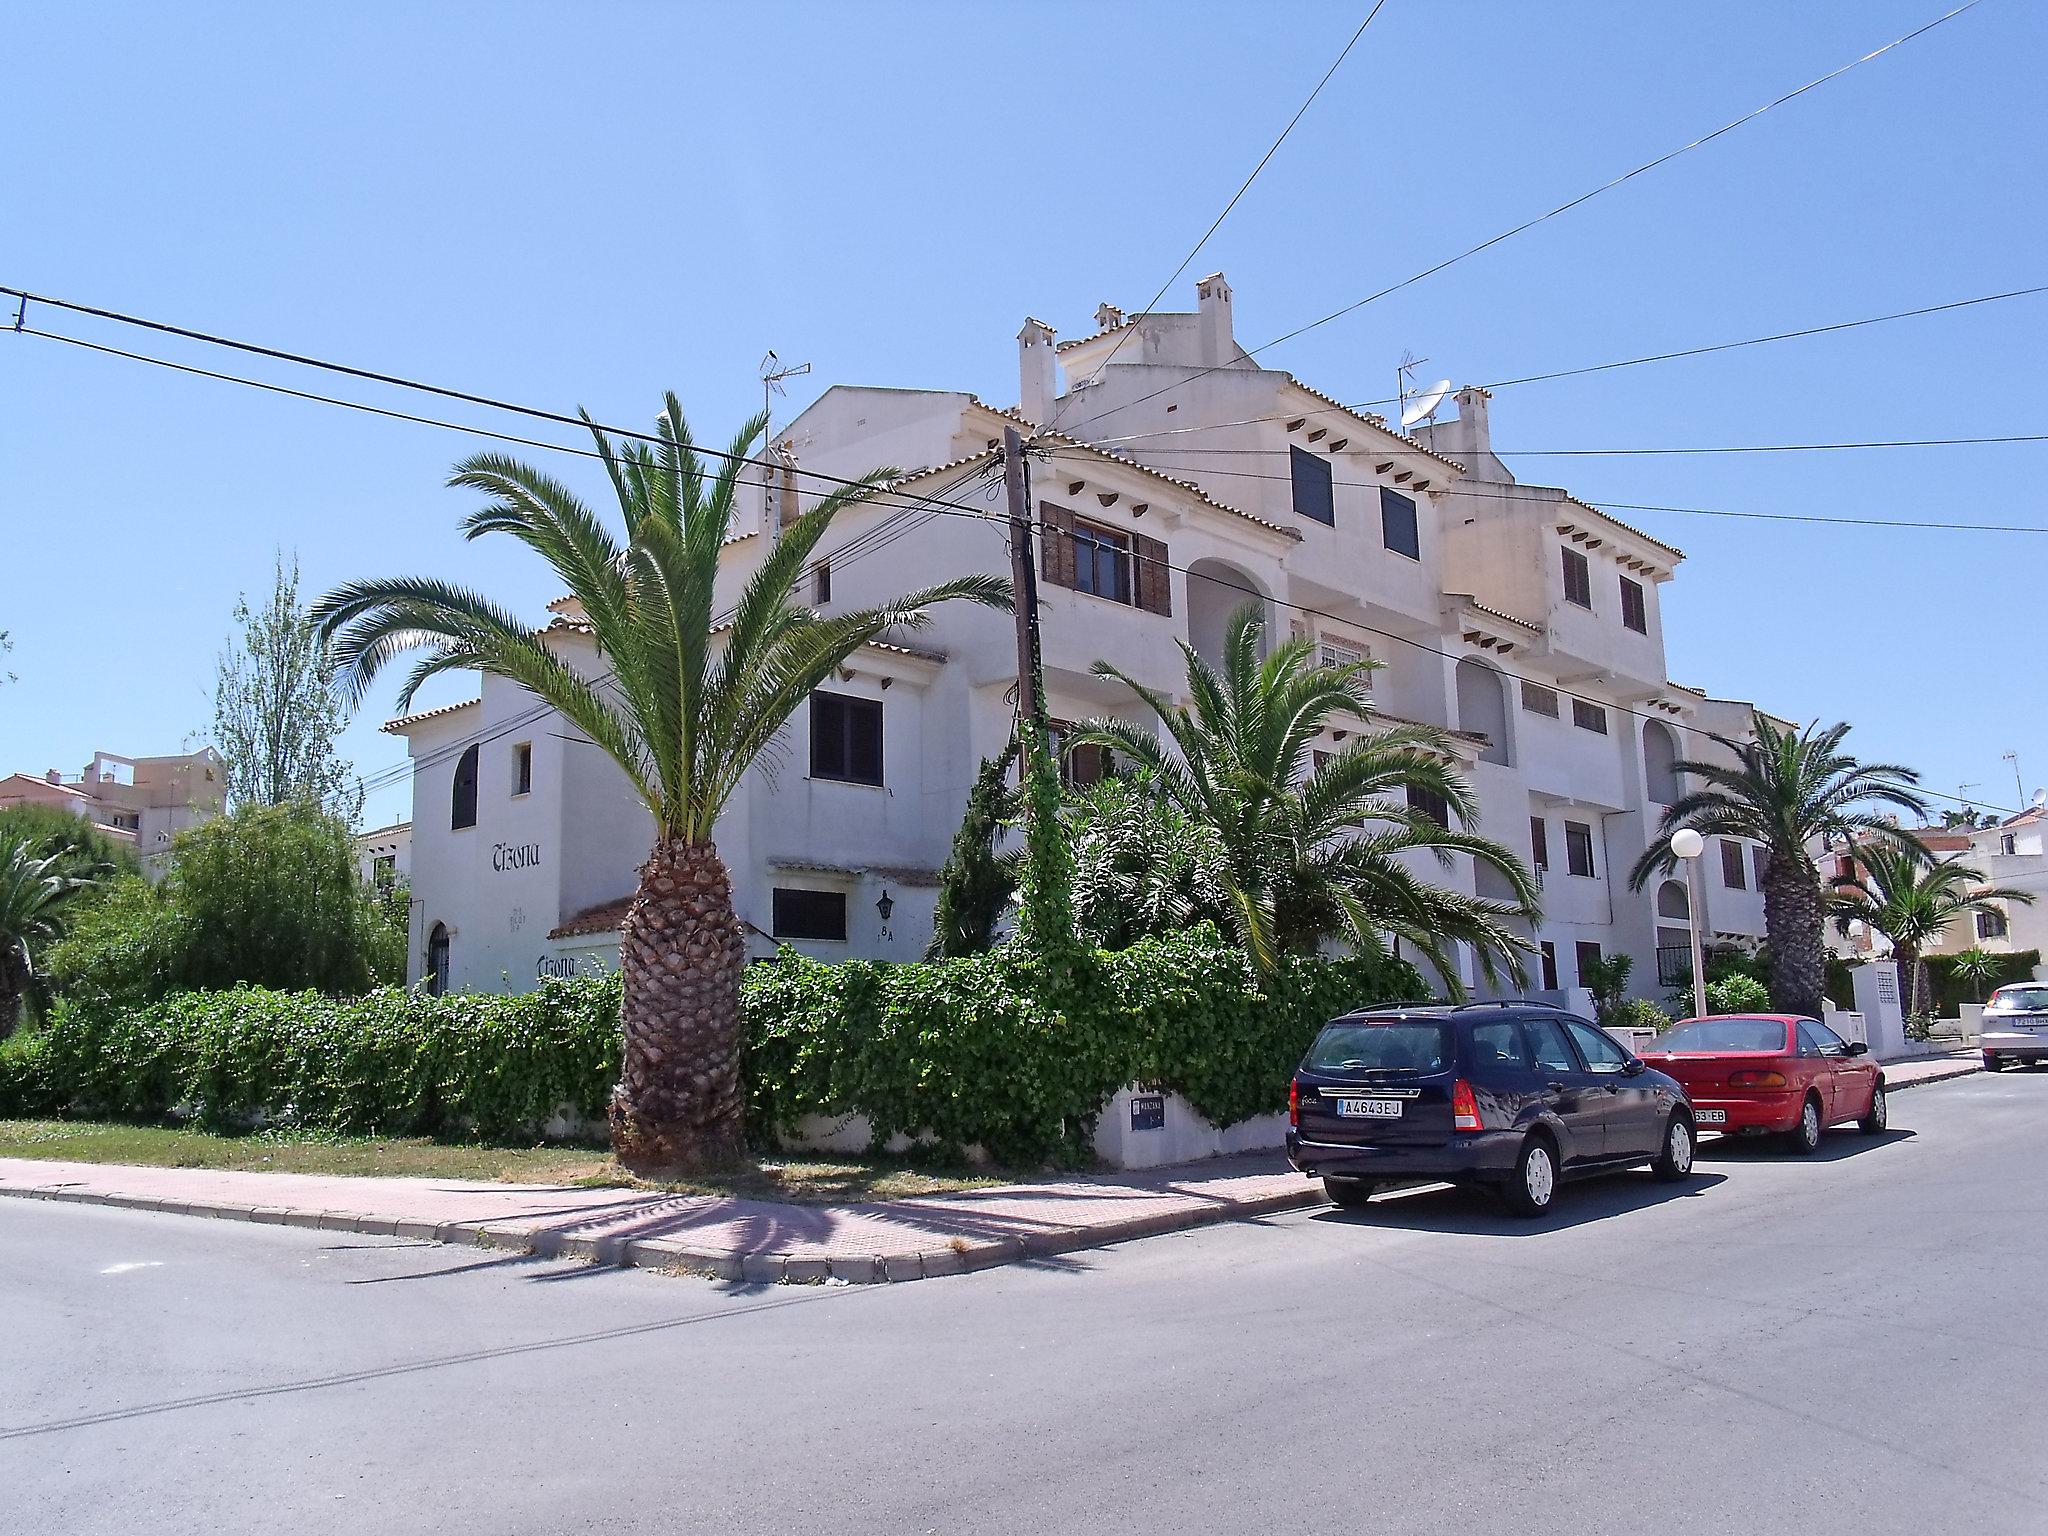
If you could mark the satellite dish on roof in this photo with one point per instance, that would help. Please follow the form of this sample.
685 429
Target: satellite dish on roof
1425 405
2041 799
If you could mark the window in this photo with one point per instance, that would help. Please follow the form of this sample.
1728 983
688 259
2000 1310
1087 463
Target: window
462 799
1499 1043
821 584
437 960
2009 844
384 870
1102 562
1553 1051
1397 524
807 914
1589 717
846 738
1633 613
1759 861
1345 653
522 768
1578 579
1312 494
1080 766
1539 700
1578 849
1732 874
1429 803
1991 924
1548 952
1816 1039
1539 842
1596 1045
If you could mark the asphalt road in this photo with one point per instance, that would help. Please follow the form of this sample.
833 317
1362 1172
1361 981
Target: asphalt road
1848 1341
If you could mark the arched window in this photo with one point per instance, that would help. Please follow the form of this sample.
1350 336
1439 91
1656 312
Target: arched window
462 803
437 960
1660 751
1483 707
1672 901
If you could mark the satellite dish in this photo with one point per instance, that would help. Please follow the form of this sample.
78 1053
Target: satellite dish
2040 799
1426 404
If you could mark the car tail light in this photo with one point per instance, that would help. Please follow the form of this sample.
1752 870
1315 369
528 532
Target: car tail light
1464 1107
1756 1079
1294 1103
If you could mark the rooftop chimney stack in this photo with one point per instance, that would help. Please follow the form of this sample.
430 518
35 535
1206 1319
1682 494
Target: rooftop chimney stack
1475 430
1107 316
1037 372
1219 344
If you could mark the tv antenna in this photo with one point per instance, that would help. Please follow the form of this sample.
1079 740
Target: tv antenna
2014 759
773 372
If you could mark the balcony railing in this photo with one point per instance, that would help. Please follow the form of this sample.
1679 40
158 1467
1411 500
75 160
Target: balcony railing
1674 965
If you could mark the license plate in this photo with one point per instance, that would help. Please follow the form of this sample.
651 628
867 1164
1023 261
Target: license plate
1710 1117
1370 1109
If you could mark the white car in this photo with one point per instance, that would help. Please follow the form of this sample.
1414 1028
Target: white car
2016 1025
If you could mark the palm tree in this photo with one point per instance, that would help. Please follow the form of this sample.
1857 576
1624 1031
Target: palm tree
34 888
1977 969
1911 900
1790 791
689 703
1310 843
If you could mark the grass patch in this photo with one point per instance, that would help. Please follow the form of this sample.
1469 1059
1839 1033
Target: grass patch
810 1181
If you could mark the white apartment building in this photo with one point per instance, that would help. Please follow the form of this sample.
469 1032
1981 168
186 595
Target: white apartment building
384 854
1173 480
2012 855
141 801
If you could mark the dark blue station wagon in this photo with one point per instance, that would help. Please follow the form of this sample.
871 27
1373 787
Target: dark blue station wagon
1517 1096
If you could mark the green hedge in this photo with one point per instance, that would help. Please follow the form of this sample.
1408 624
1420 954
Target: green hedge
1013 1052
1949 993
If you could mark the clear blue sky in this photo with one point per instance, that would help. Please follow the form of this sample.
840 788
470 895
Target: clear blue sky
590 204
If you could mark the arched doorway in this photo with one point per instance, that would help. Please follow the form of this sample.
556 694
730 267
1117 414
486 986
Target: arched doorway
1483 707
1674 935
1216 590
437 960
1660 778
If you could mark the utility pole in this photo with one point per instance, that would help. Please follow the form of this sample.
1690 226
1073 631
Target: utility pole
1024 578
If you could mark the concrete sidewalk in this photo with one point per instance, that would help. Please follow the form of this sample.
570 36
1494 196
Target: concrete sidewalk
753 1240
733 1239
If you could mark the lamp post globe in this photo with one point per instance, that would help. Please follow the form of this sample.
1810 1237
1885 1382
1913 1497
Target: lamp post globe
1687 844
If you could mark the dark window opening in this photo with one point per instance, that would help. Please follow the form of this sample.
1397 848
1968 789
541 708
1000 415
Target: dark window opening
1578 848
1633 611
846 738
1589 717
807 914
822 583
1428 802
1759 861
1313 496
462 801
1991 924
1539 700
522 768
1082 766
1539 842
1398 530
1102 562
1578 579
437 960
1587 955
1732 873
1549 966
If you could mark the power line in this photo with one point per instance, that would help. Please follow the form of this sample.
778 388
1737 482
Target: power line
1611 453
1626 362
1561 208
1245 187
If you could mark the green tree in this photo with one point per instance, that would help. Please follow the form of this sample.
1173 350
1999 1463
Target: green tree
276 713
1311 850
1790 791
690 702
1911 899
1142 866
85 850
34 892
1607 979
978 881
1976 969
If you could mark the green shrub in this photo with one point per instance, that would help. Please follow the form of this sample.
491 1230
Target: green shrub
25 1086
1638 1013
1949 991
1737 994
88 849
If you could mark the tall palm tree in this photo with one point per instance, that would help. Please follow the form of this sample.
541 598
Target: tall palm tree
1911 900
34 887
1790 791
1310 844
690 701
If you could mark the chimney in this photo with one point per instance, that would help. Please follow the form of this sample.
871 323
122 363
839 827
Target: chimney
1475 432
1219 345
1037 372
1107 316
53 777
780 504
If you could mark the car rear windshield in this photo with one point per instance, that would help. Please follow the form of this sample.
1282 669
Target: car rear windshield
1725 1035
2021 999
1386 1046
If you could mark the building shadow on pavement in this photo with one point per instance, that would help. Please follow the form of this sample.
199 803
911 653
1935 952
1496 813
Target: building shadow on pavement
1835 1146
1480 1213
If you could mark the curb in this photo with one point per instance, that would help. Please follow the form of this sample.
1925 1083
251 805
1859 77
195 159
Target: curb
1946 1075
957 1257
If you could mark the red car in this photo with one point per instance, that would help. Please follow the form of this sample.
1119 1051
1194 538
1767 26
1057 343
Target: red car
1757 1073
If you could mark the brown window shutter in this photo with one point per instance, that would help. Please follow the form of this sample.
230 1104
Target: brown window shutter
1155 581
1056 545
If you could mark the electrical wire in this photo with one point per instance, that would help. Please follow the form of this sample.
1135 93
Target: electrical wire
1611 453
1245 187
1561 208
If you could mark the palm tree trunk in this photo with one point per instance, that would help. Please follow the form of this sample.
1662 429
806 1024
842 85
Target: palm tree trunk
1911 974
1792 918
679 1106
12 990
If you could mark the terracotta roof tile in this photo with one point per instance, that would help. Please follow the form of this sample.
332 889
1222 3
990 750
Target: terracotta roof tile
404 723
605 917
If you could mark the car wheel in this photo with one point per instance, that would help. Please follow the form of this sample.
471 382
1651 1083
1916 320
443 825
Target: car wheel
1804 1137
1349 1193
1873 1124
1993 1063
1532 1189
1674 1158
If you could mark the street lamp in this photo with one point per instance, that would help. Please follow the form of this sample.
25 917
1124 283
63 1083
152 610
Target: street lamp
1686 847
